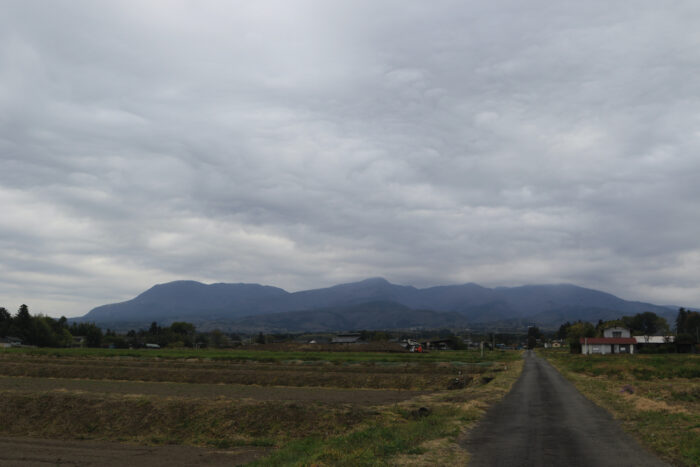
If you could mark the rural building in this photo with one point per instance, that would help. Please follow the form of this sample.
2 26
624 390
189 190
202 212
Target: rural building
655 339
352 338
78 341
442 344
614 340
653 342
7 342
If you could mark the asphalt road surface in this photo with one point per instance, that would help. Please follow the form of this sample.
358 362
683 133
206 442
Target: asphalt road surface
545 421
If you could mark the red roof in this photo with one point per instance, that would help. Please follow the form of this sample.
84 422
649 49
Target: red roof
608 340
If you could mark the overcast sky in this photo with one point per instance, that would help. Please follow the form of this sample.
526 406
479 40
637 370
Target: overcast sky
306 143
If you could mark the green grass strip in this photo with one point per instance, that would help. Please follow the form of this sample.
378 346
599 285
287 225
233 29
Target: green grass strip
372 446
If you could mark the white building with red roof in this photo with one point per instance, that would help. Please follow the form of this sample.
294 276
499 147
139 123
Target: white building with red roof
614 340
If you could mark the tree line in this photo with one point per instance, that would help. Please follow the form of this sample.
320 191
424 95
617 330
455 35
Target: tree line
44 331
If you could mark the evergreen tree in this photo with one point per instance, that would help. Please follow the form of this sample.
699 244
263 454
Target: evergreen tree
681 321
23 323
5 321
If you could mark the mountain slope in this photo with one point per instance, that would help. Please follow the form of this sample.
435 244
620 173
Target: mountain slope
187 300
372 315
244 305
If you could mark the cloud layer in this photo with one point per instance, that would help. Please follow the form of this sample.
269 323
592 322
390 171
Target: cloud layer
302 144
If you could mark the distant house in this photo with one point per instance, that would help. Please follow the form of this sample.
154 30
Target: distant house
352 338
614 340
152 346
9 341
78 341
442 344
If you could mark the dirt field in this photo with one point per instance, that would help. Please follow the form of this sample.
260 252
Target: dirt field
202 411
210 391
32 452
425 376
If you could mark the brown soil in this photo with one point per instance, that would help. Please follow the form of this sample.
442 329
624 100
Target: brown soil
31 452
208 391
416 377
237 406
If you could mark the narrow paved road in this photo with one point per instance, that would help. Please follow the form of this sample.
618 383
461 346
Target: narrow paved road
545 421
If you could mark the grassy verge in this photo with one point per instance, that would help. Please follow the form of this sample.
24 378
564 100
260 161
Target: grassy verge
655 397
424 431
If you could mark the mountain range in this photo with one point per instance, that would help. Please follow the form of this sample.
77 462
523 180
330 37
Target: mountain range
369 304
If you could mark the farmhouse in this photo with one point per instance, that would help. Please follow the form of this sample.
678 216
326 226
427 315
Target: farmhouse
614 340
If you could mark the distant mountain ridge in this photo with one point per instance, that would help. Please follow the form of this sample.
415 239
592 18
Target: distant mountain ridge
369 304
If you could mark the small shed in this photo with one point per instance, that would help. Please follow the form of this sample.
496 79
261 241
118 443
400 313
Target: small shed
654 342
657 340
78 341
9 341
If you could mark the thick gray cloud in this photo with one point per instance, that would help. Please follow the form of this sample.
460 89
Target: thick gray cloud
301 144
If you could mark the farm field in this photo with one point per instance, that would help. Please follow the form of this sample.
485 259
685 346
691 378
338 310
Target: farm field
655 397
275 353
281 408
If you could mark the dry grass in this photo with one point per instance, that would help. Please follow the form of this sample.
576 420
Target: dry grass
172 420
646 404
